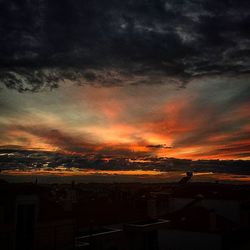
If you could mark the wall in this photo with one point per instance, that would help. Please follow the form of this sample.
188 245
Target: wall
186 240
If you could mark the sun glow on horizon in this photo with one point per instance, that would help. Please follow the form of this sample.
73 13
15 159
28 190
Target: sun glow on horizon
132 121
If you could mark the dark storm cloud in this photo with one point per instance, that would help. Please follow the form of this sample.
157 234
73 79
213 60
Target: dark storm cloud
114 42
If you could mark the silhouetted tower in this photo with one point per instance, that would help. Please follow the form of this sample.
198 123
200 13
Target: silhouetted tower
187 178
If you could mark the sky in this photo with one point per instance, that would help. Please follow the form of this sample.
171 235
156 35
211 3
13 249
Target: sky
164 78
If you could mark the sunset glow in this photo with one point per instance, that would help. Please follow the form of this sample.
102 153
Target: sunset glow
109 175
140 121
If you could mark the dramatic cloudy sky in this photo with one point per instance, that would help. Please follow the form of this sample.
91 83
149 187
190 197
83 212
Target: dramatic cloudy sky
137 77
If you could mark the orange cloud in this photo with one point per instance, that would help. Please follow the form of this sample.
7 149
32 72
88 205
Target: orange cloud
138 120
